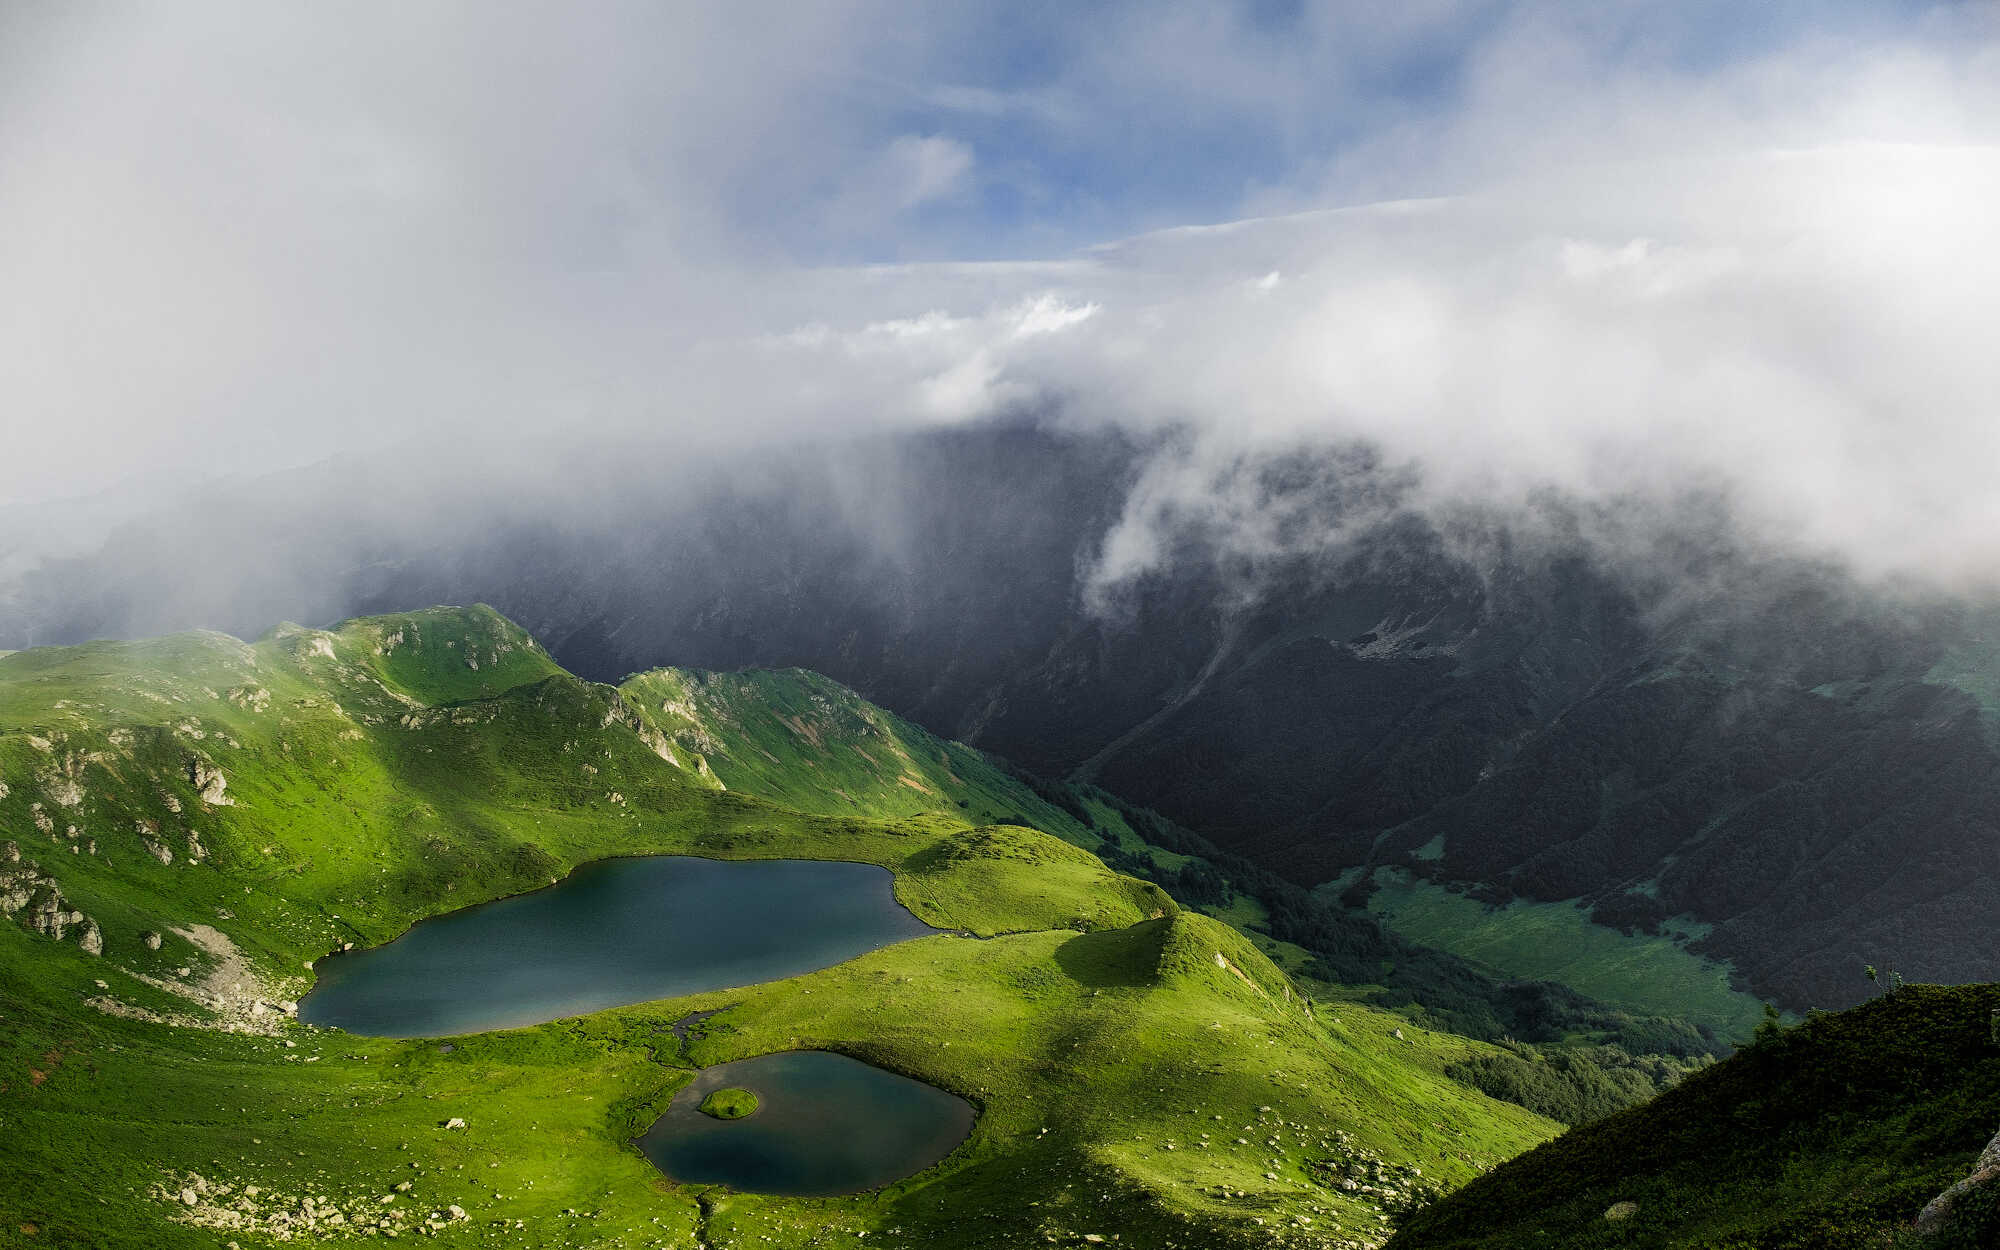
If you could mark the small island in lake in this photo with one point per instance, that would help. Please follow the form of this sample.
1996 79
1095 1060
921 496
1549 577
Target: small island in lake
729 1104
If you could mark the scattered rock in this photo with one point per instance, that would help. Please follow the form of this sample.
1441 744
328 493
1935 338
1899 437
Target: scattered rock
1618 1212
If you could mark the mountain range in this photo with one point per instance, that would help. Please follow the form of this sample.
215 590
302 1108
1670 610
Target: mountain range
1752 756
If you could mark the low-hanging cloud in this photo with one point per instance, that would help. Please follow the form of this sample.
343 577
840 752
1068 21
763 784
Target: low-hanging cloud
1770 282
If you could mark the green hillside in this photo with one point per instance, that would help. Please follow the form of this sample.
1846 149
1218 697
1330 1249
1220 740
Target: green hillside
186 823
809 743
815 745
1647 972
1831 1134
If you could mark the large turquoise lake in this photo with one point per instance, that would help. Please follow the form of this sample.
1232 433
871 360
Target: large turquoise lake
612 933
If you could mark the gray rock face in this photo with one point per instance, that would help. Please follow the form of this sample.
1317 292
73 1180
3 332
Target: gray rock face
34 898
25 886
208 779
1939 1212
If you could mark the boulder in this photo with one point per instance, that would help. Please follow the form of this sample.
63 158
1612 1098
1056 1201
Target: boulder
1939 1212
208 779
1619 1212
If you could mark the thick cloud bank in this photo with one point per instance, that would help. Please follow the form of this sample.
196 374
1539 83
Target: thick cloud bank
233 240
1802 334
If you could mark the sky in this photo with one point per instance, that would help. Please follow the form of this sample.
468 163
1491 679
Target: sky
1621 251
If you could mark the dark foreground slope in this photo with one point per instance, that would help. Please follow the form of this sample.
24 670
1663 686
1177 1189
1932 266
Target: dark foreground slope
1829 1136
1698 732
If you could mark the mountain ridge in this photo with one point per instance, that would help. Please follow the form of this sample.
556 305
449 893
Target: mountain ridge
1648 727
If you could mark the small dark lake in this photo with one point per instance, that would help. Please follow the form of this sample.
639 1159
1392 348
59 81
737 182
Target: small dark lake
614 932
825 1124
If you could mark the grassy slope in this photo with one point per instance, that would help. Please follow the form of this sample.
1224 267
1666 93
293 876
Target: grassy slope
1560 942
824 748
808 743
377 777
1830 1134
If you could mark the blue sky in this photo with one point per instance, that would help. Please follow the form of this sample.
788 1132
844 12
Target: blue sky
1082 123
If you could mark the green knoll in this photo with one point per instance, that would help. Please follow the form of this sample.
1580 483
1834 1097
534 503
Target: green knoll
729 1104
186 823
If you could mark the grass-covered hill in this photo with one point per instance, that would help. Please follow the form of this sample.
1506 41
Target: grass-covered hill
808 743
812 744
187 823
1828 1135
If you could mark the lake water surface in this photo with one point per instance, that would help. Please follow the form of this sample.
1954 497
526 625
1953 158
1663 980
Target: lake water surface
614 932
825 1124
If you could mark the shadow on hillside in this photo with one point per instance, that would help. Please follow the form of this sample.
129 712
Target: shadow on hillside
1114 957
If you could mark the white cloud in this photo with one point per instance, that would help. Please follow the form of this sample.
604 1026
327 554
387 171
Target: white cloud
1048 314
233 239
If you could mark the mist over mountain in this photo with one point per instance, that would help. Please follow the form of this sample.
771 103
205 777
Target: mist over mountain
1652 716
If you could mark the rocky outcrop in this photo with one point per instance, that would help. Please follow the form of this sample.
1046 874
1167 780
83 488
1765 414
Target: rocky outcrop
209 781
62 779
1940 1212
33 898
